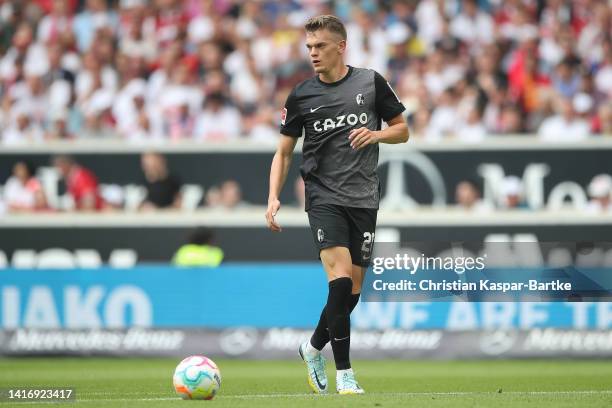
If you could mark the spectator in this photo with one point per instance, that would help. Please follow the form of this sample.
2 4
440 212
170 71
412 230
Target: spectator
213 198
227 196
566 80
472 130
566 126
247 86
260 126
32 95
178 103
520 26
444 117
199 251
130 110
113 197
585 107
527 84
249 19
510 120
367 42
94 78
23 191
430 18
587 88
550 49
58 79
170 21
161 76
81 184
210 57
201 26
603 120
99 120
468 197
136 43
419 121
472 25
590 44
440 75
96 16
218 121
163 188
600 190
58 128
603 76
56 25
23 52
231 195
22 128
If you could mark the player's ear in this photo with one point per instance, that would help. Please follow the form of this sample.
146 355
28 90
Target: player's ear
341 46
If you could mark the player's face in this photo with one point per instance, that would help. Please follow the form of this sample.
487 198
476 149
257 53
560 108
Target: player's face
325 50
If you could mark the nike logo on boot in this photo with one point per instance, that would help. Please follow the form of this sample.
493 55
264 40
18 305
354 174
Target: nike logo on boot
321 386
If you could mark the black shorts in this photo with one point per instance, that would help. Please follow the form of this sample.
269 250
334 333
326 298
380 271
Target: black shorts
350 227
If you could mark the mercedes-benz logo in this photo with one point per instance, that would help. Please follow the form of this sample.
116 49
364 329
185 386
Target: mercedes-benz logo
238 341
497 342
397 196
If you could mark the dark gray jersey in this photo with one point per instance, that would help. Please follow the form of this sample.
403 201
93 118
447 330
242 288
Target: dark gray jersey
333 172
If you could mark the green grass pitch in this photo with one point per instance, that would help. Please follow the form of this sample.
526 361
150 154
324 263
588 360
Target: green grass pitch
103 382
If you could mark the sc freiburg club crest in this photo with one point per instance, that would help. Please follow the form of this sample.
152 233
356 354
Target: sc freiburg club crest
360 99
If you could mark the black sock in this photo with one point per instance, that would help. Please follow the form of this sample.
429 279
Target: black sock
339 321
320 337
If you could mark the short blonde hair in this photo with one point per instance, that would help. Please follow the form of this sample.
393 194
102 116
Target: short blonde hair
327 22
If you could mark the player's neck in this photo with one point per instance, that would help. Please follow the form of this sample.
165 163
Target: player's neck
335 74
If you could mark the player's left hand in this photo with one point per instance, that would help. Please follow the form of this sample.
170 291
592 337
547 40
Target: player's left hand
362 137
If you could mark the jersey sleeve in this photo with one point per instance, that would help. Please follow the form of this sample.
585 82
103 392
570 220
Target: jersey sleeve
388 104
292 121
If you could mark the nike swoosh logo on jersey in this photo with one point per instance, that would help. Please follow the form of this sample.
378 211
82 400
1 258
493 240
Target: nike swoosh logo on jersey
344 338
315 109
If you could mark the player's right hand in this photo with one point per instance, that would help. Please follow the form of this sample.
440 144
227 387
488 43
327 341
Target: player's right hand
273 207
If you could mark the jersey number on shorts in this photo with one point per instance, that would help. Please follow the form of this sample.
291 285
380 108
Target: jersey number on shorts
366 248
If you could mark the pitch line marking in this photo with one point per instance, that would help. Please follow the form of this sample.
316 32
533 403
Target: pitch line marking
407 394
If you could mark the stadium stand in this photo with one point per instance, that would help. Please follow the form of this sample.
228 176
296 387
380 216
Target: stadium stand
207 76
216 70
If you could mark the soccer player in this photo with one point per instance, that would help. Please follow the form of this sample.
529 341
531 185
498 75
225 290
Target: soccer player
340 111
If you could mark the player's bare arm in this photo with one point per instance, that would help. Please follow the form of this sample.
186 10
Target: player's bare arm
278 175
397 132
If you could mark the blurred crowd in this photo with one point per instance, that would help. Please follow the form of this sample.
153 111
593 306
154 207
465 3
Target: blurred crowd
511 194
74 187
160 188
221 69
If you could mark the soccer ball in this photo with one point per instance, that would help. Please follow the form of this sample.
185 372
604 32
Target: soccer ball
197 377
